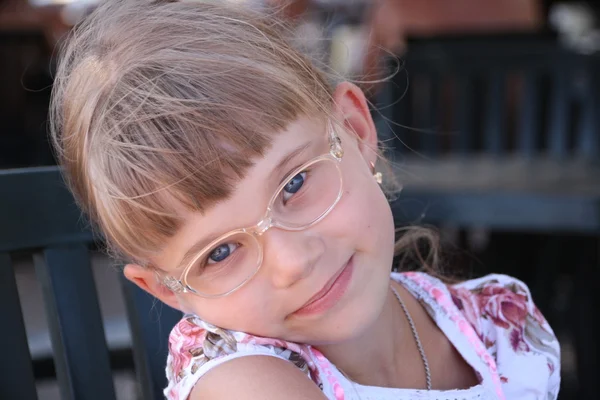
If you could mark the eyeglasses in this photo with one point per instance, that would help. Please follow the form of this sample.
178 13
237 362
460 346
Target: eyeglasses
303 199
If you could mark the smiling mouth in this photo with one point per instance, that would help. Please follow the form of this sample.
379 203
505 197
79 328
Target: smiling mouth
331 293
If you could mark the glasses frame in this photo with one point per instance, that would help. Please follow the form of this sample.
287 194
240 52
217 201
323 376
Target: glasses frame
335 155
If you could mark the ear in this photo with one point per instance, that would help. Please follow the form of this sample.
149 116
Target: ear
146 279
352 108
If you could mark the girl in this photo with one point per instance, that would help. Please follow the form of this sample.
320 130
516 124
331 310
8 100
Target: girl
241 186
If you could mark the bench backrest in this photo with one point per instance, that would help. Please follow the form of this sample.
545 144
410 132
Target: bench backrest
38 214
497 95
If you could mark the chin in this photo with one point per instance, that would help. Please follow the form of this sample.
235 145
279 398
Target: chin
351 318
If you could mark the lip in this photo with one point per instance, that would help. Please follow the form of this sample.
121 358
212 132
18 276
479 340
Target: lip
331 293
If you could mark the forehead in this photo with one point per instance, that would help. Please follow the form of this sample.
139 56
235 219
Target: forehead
304 133
250 198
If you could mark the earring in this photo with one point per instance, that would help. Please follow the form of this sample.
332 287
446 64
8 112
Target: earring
377 175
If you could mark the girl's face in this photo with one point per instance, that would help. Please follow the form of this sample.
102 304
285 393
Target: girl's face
344 259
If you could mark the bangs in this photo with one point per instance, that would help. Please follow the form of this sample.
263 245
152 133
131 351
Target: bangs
183 155
162 108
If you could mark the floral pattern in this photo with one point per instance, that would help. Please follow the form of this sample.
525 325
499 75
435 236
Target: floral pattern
503 314
492 321
185 343
508 308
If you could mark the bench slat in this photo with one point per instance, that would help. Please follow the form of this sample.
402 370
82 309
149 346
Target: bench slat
463 141
588 144
559 114
426 114
150 322
511 211
495 121
16 380
80 350
537 176
529 118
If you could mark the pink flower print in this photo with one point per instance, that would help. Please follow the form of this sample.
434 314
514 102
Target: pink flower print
173 393
192 335
263 341
184 339
450 307
468 305
302 350
179 361
505 307
338 390
437 294
516 341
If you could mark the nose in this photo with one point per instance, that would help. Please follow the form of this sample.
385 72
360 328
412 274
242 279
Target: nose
290 256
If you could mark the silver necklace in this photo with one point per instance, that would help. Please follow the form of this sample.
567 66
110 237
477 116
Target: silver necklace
415 334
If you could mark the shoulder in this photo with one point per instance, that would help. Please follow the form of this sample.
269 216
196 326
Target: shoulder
502 312
198 349
256 377
493 301
497 301
504 316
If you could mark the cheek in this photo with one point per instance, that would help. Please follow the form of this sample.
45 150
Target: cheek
246 312
366 213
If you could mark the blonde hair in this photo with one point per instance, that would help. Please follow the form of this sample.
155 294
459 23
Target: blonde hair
162 105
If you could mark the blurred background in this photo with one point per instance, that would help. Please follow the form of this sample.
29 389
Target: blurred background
488 110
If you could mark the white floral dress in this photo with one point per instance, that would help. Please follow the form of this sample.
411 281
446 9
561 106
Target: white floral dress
491 321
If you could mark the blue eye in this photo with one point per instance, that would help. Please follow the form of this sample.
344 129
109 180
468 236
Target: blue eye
221 252
294 185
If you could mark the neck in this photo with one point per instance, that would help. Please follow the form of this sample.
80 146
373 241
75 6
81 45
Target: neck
377 357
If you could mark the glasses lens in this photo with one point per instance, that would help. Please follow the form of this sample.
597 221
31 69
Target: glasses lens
224 266
308 194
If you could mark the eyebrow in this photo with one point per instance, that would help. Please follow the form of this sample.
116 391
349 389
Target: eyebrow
288 158
193 251
198 246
